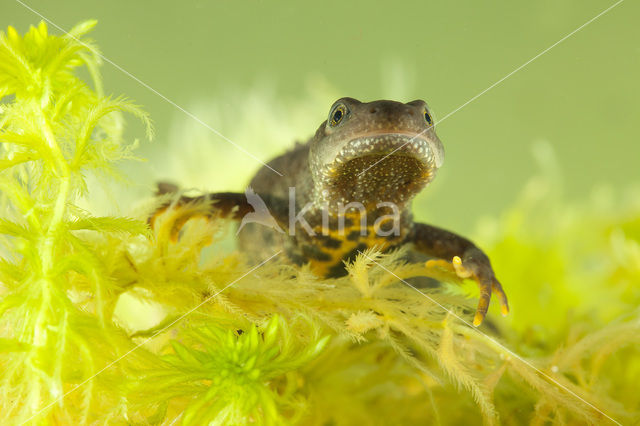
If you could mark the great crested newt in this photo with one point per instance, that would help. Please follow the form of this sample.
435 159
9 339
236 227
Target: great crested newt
350 188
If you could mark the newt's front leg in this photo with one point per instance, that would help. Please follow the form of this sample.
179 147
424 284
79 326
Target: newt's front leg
446 245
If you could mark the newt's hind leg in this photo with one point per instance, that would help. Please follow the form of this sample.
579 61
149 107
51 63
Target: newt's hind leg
248 207
230 205
468 261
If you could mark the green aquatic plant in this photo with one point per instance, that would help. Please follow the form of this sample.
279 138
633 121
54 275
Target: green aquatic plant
235 343
218 376
57 303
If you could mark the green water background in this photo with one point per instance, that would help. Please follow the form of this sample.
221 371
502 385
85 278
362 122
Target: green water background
245 57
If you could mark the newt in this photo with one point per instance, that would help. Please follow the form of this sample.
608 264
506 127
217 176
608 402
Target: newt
350 188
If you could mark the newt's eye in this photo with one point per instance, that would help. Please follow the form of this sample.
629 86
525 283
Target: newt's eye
427 117
337 114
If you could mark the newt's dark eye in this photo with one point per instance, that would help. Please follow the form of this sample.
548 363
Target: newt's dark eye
337 115
427 117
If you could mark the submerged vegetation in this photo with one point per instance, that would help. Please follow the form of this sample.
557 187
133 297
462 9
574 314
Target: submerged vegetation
236 344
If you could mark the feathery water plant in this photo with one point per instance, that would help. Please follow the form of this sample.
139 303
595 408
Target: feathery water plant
222 373
56 301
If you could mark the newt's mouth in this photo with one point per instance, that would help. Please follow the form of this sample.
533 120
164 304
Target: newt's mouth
388 167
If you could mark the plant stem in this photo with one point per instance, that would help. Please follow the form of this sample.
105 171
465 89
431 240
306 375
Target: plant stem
63 193
47 251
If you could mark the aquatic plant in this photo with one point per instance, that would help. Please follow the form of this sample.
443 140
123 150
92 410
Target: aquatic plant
57 301
235 343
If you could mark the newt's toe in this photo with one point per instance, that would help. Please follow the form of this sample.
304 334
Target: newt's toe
461 270
502 297
483 303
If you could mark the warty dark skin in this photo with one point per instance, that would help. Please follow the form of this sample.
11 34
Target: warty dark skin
355 180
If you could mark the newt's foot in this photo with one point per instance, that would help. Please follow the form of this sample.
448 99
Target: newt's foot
176 212
174 218
162 188
477 267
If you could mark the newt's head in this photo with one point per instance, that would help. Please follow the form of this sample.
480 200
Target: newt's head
381 151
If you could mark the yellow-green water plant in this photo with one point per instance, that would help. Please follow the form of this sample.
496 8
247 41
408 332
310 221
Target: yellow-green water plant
217 376
56 301
393 346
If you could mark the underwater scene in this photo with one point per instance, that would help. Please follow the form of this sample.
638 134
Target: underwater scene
319 213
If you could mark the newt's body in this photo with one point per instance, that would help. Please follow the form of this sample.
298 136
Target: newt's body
350 188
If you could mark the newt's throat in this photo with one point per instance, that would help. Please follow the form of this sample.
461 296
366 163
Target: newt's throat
372 170
372 179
